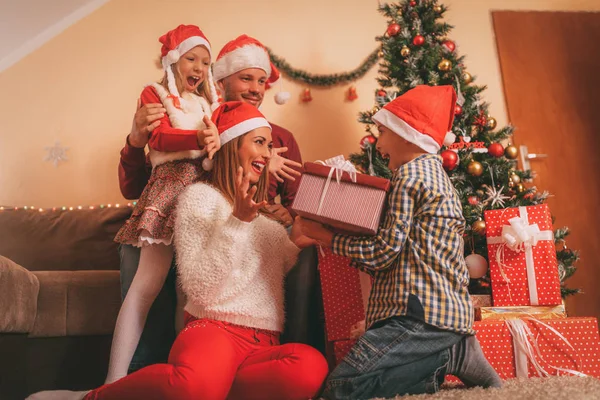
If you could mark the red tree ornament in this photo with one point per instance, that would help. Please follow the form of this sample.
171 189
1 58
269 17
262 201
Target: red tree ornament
449 160
413 3
481 120
449 45
381 93
496 150
473 200
367 141
393 29
306 95
352 93
457 109
418 40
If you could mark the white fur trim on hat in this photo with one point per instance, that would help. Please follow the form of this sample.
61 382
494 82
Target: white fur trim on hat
248 56
400 127
242 128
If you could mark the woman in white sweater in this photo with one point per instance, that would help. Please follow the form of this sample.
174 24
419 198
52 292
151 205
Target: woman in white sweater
231 262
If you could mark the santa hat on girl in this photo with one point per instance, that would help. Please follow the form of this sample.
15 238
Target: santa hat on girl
246 52
175 44
423 116
236 118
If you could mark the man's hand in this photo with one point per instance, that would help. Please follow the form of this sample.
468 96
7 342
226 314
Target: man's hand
281 167
280 214
209 137
146 119
315 230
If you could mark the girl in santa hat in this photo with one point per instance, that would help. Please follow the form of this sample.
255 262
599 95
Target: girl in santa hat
182 142
231 261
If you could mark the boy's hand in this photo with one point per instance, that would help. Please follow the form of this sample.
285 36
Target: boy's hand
209 137
315 230
281 167
300 239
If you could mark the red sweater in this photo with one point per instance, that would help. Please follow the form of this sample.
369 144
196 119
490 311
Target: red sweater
135 169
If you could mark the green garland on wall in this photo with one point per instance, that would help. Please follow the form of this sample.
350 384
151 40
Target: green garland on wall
328 79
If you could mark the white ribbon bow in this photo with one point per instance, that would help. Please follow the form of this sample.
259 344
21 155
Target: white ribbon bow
527 351
520 236
339 165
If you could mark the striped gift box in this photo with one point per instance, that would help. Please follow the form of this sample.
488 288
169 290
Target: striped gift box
349 207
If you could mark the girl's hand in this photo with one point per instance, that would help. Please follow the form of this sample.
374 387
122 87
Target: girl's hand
281 167
244 207
209 137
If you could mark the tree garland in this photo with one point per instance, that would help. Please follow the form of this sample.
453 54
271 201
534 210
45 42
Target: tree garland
327 79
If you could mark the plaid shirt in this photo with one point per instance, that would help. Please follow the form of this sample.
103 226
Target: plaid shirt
417 253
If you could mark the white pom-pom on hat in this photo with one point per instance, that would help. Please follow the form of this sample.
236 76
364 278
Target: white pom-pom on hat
449 138
282 97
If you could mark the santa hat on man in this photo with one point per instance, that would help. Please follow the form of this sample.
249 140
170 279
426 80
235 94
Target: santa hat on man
423 116
236 118
175 44
246 52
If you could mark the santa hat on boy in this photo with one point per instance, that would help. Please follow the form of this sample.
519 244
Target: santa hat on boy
423 116
246 52
175 44
236 118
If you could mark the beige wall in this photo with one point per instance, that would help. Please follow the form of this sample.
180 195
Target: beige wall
80 88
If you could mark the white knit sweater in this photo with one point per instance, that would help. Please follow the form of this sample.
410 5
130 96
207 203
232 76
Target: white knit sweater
230 270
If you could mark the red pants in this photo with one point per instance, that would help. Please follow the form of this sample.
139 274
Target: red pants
216 360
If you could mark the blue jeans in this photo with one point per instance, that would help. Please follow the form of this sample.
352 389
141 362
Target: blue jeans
397 356
159 332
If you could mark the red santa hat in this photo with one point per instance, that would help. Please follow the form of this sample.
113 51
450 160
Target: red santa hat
423 116
236 118
242 53
175 44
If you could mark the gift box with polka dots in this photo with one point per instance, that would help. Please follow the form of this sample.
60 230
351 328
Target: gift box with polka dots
515 270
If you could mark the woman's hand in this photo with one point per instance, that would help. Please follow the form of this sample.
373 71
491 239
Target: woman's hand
244 207
209 138
281 167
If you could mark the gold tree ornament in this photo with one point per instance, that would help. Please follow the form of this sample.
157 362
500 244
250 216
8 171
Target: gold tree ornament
514 178
445 65
491 122
511 152
437 8
405 51
475 168
467 77
479 227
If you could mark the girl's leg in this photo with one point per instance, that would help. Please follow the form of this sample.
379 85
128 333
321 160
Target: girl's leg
155 261
202 365
290 371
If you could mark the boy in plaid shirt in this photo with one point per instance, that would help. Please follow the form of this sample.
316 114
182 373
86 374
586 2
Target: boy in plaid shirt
420 316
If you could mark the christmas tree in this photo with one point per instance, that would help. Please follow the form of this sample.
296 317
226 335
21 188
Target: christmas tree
416 49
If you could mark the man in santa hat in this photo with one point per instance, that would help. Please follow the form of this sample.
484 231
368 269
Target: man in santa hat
243 71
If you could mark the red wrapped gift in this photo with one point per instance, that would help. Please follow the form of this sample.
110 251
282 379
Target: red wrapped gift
345 293
336 195
529 348
522 256
341 348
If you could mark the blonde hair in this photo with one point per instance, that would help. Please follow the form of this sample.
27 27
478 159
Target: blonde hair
224 172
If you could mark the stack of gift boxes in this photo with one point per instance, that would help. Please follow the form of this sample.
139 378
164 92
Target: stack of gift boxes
523 327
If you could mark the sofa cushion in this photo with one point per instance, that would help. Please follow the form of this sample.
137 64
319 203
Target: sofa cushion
62 240
18 297
74 303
